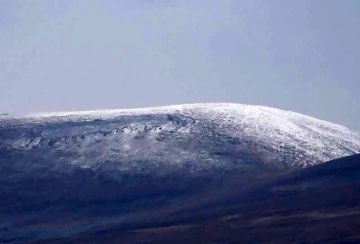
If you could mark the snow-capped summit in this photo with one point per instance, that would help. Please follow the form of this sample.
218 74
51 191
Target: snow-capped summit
194 138
102 167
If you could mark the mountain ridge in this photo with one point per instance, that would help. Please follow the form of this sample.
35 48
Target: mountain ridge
314 140
155 109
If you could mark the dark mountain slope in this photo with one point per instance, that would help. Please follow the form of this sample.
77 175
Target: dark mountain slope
317 204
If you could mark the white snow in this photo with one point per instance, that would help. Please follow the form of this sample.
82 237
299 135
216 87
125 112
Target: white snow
309 140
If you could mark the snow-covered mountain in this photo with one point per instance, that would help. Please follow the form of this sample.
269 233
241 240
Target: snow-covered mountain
194 138
92 168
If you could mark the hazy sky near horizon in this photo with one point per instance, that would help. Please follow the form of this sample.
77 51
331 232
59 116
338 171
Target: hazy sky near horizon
64 55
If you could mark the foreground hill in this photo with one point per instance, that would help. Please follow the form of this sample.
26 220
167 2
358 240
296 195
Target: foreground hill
320 204
64 173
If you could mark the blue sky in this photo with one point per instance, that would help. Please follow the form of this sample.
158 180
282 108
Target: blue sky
83 55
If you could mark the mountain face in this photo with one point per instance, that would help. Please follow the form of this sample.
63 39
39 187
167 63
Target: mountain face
193 138
108 166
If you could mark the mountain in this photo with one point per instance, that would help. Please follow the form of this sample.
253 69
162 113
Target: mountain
63 173
198 132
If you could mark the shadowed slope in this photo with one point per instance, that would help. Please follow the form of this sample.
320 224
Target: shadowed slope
318 204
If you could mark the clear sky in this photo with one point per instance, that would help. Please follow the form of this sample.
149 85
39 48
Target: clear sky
301 55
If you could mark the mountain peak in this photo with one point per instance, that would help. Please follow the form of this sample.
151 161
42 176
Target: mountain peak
209 135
